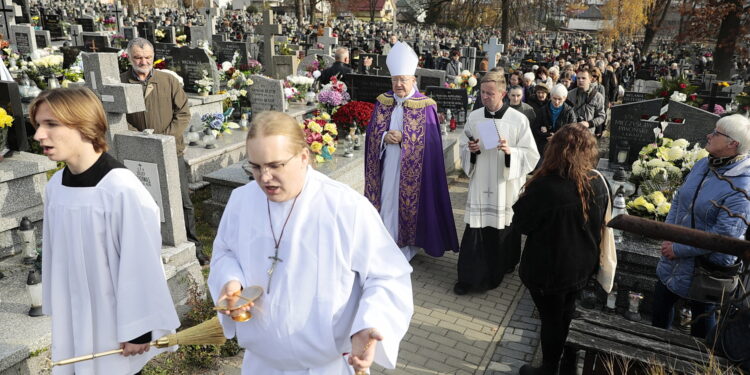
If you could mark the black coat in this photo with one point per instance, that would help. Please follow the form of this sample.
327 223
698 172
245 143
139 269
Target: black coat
544 119
338 69
561 251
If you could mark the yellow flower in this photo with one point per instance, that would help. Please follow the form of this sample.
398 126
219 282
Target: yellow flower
640 202
650 207
330 127
658 198
325 116
316 147
6 121
327 139
663 209
681 143
319 159
314 126
302 125
331 150
2 112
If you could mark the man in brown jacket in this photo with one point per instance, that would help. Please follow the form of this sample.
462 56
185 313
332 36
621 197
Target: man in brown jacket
167 113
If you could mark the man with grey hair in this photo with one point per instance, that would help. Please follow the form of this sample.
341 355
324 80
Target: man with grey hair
339 68
167 113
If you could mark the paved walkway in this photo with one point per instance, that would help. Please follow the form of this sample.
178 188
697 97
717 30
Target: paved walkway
488 333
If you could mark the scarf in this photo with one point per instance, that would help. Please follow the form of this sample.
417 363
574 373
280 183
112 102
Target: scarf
555 114
715 162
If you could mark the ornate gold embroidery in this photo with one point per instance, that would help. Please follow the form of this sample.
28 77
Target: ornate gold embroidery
412 157
419 103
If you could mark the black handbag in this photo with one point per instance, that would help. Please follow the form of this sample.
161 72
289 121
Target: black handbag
713 283
730 338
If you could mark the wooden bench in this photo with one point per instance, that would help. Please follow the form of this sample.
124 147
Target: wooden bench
614 345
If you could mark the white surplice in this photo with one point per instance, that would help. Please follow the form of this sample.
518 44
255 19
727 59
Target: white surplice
391 175
493 187
341 272
102 274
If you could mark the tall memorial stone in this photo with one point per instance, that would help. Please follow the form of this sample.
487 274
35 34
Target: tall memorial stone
268 29
10 12
191 63
267 94
25 39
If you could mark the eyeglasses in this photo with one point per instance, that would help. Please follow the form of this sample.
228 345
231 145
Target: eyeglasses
716 132
272 168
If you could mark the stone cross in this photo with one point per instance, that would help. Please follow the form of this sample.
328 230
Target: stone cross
118 11
328 40
493 48
103 78
268 29
10 11
211 14
76 36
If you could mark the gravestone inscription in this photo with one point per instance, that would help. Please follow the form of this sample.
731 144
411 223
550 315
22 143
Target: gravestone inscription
366 88
633 96
267 94
454 99
190 64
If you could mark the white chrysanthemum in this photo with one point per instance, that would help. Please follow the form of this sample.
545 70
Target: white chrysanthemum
458 80
682 142
675 153
472 81
638 168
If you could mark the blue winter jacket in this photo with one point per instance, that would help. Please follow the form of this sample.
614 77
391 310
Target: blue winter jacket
677 274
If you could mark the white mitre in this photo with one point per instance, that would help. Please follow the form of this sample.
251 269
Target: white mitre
401 60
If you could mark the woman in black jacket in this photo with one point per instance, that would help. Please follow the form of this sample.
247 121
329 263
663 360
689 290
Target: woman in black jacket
561 212
551 117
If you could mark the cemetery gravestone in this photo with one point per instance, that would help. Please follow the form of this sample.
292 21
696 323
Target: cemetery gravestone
76 35
267 94
25 39
169 35
198 35
87 23
454 99
10 100
53 23
146 30
8 20
129 33
492 48
190 63
366 88
633 97
43 39
95 42
224 51
627 128
430 77
25 16
268 29
328 41
163 50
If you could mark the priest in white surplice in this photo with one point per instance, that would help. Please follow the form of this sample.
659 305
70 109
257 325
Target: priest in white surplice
103 279
496 177
337 287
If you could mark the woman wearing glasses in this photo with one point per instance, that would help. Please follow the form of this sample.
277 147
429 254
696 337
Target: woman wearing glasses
334 281
693 207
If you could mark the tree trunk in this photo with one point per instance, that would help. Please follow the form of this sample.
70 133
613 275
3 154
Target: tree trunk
655 19
299 6
505 27
726 41
312 11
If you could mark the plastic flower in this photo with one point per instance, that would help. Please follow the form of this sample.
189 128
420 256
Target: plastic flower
331 150
678 97
472 81
675 153
637 168
681 143
330 127
325 116
458 80
319 159
327 139
314 126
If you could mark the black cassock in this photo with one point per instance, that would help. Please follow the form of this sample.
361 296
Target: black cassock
486 255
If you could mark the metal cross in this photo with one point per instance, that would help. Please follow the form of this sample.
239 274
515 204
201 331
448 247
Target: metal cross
275 259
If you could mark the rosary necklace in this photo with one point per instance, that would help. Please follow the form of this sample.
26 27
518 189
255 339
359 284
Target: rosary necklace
275 258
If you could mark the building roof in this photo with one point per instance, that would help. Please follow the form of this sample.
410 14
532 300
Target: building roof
592 13
364 5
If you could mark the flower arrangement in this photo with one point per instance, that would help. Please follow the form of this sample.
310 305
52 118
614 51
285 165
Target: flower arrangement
465 80
743 101
205 84
160 64
354 112
49 65
6 120
678 89
159 34
111 20
253 67
320 136
122 60
659 172
333 94
284 49
718 109
181 39
295 87
206 47
217 122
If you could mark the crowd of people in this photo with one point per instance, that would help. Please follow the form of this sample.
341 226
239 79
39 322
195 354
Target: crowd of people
334 264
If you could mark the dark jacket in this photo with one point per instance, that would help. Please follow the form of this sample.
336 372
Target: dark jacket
543 118
589 107
167 111
338 69
561 251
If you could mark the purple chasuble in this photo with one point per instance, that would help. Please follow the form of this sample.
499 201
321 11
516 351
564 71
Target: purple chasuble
425 216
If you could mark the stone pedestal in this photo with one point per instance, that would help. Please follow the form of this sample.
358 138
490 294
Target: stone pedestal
22 180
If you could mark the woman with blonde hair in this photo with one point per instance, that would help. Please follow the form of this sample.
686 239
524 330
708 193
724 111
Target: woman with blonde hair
102 274
561 212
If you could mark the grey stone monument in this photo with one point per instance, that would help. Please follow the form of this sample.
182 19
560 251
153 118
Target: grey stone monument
267 94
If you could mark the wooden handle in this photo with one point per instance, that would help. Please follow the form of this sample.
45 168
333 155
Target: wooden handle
89 357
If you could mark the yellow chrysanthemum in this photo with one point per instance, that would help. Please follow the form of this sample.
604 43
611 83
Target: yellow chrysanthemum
658 198
640 202
319 159
2 112
327 139
650 207
663 209
330 127
316 147
331 150
325 116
